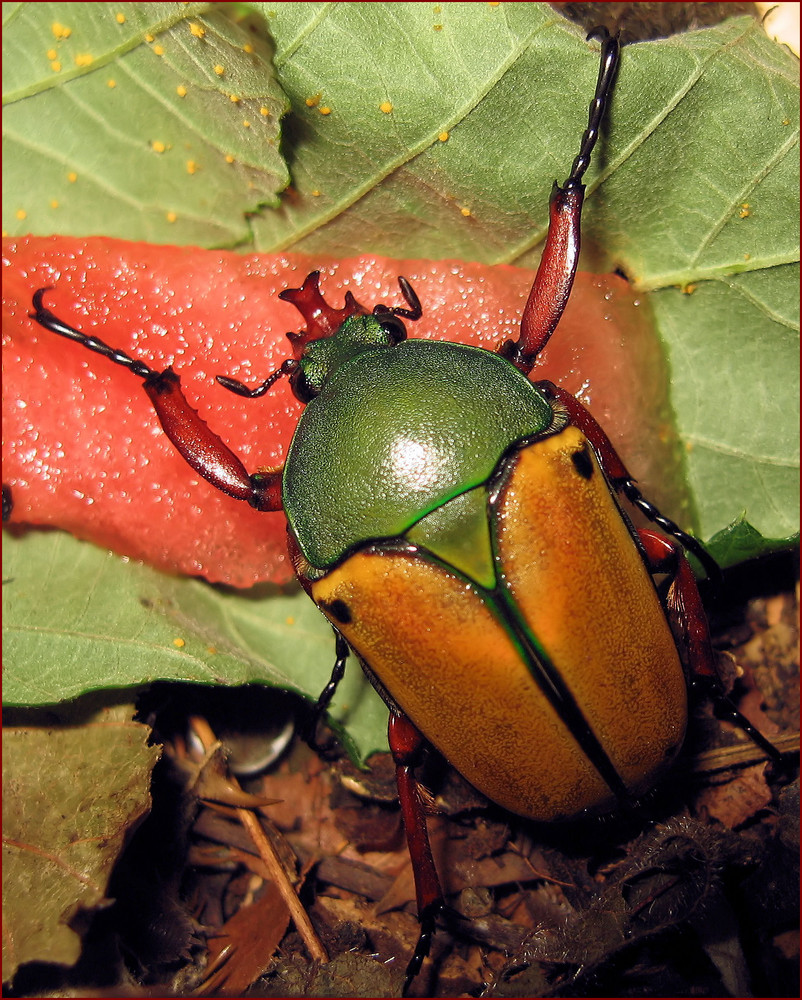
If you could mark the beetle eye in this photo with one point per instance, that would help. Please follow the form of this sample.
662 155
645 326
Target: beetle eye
392 326
301 387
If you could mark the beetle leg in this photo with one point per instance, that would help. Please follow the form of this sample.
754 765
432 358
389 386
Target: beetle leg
199 446
555 274
321 706
686 612
204 450
407 746
620 479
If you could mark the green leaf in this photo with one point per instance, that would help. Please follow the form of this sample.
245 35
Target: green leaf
114 623
738 542
738 424
75 783
136 138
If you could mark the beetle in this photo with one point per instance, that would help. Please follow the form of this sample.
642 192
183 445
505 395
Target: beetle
464 531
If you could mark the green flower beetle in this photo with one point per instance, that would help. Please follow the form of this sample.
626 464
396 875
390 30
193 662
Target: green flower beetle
462 529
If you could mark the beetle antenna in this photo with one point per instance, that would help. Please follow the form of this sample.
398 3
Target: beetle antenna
604 84
234 385
382 312
416 309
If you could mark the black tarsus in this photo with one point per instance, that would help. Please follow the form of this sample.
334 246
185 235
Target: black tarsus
44 317
342 650
688 542
608 66
234 385
428 928
712 688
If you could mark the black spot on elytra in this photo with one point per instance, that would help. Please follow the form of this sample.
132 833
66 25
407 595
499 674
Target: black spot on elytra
583 462
337 609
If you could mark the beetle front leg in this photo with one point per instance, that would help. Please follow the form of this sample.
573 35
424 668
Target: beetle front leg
555 274
687 614
199 446
407 746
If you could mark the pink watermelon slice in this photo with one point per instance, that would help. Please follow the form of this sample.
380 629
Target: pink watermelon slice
83 451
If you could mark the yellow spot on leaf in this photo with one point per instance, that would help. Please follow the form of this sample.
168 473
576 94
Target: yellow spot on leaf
220 70
72 177
247 47
52 54
149 37
325 110
21 214
385 107
60 30
171 217
159 50
264 112
55 66
119 18
84 59
157 146
192 167
181 90
229 158
313 101
443 137
179 643
234 98
54 203
197 30
465 211
111 84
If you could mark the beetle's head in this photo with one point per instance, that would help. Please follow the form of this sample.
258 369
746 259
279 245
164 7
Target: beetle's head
332 336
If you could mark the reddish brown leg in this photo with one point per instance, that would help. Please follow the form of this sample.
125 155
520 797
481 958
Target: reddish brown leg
686 612
555 275
200 447
204 450
554 279
683 602
408 746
